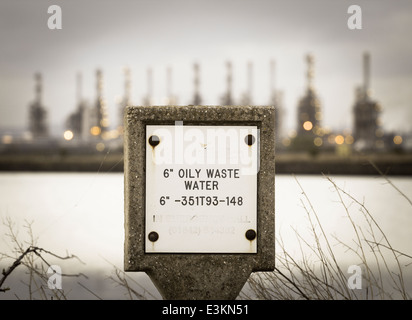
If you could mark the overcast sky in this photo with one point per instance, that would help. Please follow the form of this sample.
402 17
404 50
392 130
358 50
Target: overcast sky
140 34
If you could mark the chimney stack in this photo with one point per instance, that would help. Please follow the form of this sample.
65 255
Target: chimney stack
197 100
366 74
39 89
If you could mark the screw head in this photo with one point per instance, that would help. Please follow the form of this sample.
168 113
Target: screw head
153 236
154 140
250 234
250 139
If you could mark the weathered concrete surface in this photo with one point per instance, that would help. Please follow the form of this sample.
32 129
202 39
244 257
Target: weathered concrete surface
197 276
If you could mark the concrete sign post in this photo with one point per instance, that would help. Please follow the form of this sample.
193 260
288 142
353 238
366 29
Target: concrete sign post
199 197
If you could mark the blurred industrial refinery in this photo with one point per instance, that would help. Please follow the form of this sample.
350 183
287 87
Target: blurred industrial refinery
89 131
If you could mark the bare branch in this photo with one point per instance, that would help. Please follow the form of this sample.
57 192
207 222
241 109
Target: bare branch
36 251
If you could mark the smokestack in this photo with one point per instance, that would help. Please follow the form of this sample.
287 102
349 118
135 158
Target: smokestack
229 82
274 95
226 99
99 84
149 82
102 119
310 72
127 87
272 76
38 86
147 101
169 82
250 80
170 98
196 81
366 74
79 88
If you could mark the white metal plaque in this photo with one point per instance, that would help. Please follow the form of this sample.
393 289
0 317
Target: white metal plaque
201 189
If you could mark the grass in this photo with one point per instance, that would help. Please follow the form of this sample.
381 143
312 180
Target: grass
319 275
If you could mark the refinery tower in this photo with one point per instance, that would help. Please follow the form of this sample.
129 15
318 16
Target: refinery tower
368 133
